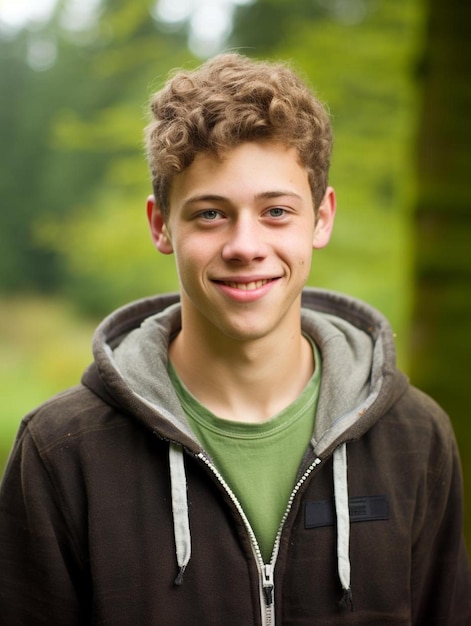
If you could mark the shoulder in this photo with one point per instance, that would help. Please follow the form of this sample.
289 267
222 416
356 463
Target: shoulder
421 416
419 436
73 414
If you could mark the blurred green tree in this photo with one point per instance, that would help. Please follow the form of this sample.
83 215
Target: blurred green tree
102 238
71 130
36 179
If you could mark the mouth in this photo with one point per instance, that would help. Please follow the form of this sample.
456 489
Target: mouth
248 286
244 289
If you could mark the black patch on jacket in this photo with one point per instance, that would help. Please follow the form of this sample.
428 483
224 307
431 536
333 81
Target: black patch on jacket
361 508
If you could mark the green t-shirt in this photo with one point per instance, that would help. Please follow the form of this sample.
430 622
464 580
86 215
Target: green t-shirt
258 461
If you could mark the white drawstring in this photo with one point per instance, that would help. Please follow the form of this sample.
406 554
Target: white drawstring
181 522
343 522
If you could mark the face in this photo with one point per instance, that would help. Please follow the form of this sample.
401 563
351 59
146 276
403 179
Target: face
242 229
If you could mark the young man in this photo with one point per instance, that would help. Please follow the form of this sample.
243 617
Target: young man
245 452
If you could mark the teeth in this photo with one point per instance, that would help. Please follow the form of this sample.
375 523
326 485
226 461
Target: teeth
256 284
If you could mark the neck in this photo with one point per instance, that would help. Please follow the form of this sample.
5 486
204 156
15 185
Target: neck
243 381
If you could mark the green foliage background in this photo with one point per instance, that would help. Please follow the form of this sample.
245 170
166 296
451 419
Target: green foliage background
73 179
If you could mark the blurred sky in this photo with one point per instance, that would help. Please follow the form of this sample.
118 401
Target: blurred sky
209 20
16 13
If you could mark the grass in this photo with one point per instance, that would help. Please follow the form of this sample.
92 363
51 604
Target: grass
44 347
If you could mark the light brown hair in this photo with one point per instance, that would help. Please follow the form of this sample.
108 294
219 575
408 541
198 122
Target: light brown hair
226 101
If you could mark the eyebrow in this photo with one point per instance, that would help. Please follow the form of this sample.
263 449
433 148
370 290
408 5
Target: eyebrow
263 195
205 197
277 193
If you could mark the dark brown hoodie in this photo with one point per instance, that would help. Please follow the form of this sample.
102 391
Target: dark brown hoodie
112 513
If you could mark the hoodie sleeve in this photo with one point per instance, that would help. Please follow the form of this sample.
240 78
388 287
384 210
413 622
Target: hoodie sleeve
39 571
441 576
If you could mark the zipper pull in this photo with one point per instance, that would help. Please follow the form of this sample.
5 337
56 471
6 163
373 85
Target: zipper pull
268 583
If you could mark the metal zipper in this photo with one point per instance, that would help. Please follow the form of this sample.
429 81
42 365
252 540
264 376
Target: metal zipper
296 488
266 571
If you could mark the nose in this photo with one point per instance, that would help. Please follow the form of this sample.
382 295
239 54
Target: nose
245 242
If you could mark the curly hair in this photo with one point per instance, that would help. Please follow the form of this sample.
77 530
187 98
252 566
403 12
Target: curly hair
228 100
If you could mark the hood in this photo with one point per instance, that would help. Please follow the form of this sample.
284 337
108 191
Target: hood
360 380
359 376
359 383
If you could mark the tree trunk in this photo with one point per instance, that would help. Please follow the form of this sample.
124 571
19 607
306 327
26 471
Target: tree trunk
441 341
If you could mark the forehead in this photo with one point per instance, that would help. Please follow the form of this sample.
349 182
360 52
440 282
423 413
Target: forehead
249 168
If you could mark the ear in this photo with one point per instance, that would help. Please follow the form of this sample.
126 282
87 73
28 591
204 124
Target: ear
158 228
325 219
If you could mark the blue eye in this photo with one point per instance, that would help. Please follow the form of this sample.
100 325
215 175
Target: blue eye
277 212
210 215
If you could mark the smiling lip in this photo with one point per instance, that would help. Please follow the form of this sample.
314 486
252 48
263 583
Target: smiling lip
246 289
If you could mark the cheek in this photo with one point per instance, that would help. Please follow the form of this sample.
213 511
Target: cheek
304 267
190 260
197 251
185 265
304 260
300 250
